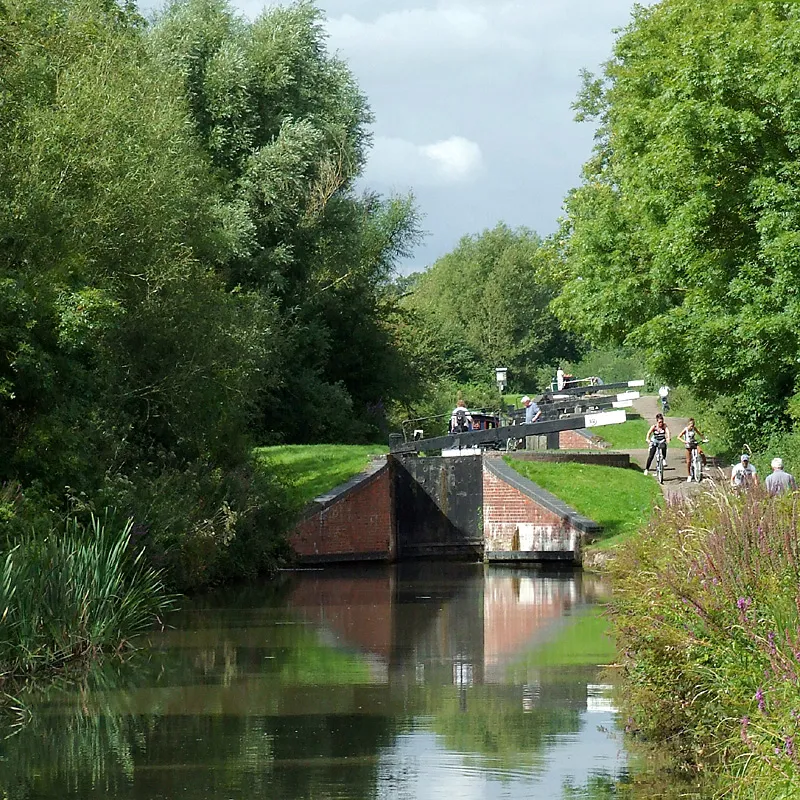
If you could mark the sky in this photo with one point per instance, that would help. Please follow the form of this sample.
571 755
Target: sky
472 102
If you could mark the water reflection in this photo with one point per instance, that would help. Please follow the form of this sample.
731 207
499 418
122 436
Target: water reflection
369 682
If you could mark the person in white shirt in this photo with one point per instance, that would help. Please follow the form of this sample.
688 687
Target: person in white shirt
559 379
460 419
743 474
663 393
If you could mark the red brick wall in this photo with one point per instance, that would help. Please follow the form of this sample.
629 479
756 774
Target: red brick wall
513 521
572 440
357 523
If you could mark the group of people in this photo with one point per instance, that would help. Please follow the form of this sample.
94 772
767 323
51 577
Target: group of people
659 436
743 474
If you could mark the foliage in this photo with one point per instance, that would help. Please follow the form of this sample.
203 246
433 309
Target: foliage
706 613
185 267
66 594
681 238
485 305
310 470
621 500
285 128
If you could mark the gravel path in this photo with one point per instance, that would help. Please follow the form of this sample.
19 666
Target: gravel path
675 484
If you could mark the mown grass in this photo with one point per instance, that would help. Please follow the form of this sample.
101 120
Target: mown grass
621 500
631 435
311 470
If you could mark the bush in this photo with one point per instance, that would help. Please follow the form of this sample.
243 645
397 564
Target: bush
707 614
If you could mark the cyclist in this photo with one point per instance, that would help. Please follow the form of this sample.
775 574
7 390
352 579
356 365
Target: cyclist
690 436
663 393
657 437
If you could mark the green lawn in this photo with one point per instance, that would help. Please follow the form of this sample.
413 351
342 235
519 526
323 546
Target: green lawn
630 435
311 470
621 500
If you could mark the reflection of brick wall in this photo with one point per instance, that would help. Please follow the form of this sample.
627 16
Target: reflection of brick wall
358 610
354 522
572 440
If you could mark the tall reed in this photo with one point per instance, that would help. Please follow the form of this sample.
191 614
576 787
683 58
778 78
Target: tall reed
69 593
707 613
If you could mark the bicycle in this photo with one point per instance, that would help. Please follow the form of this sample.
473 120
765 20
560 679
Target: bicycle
696 464
659 464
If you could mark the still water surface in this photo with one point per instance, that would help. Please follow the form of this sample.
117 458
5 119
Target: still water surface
418 681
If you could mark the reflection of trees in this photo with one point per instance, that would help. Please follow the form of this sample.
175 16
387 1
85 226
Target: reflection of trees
492 722
598 787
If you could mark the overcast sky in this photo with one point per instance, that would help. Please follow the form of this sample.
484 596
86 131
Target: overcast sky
472 102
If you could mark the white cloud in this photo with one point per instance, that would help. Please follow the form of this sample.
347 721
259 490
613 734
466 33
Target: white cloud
398 162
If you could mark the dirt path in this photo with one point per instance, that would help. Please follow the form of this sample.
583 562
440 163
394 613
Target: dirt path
675 484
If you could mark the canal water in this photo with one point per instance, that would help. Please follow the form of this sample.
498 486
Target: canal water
415 681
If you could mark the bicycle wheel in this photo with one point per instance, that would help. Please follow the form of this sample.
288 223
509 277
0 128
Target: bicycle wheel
697 466
660 466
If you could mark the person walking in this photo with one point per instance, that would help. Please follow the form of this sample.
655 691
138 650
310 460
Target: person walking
744 473
778 481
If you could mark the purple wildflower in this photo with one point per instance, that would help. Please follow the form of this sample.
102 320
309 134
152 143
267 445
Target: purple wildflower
743 603
760 699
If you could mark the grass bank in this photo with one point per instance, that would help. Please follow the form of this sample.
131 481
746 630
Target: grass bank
707 613
621 500
310 470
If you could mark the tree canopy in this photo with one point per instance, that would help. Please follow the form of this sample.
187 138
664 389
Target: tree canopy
185 263
486 304
682 237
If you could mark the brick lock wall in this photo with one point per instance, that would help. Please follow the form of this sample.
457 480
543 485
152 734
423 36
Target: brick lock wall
358 523
512 521
572 440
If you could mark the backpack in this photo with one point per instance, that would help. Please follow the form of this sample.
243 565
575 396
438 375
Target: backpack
461 420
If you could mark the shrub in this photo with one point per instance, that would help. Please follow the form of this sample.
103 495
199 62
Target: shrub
707 614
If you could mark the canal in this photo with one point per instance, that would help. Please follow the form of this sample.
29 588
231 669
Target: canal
412 681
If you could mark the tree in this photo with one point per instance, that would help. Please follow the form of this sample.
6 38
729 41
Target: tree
681 238
486 305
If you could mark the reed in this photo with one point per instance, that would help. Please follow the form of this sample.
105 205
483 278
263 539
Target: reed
74 593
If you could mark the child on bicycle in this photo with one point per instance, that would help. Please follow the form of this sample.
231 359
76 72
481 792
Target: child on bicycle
657 437
690 436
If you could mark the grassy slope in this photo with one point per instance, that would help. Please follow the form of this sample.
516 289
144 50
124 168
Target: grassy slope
630 435
621 500
311 470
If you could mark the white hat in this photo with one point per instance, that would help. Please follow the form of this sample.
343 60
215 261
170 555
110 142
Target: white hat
744 457
525 399
777 463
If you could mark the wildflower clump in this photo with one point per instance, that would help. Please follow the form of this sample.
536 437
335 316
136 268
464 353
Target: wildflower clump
707 614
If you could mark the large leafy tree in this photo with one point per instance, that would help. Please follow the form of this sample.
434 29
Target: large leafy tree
286 129
683 235
485 304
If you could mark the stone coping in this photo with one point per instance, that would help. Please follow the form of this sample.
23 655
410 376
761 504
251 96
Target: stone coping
323 501
539 495
604 458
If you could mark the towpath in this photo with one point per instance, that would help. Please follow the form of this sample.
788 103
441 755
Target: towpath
675 484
